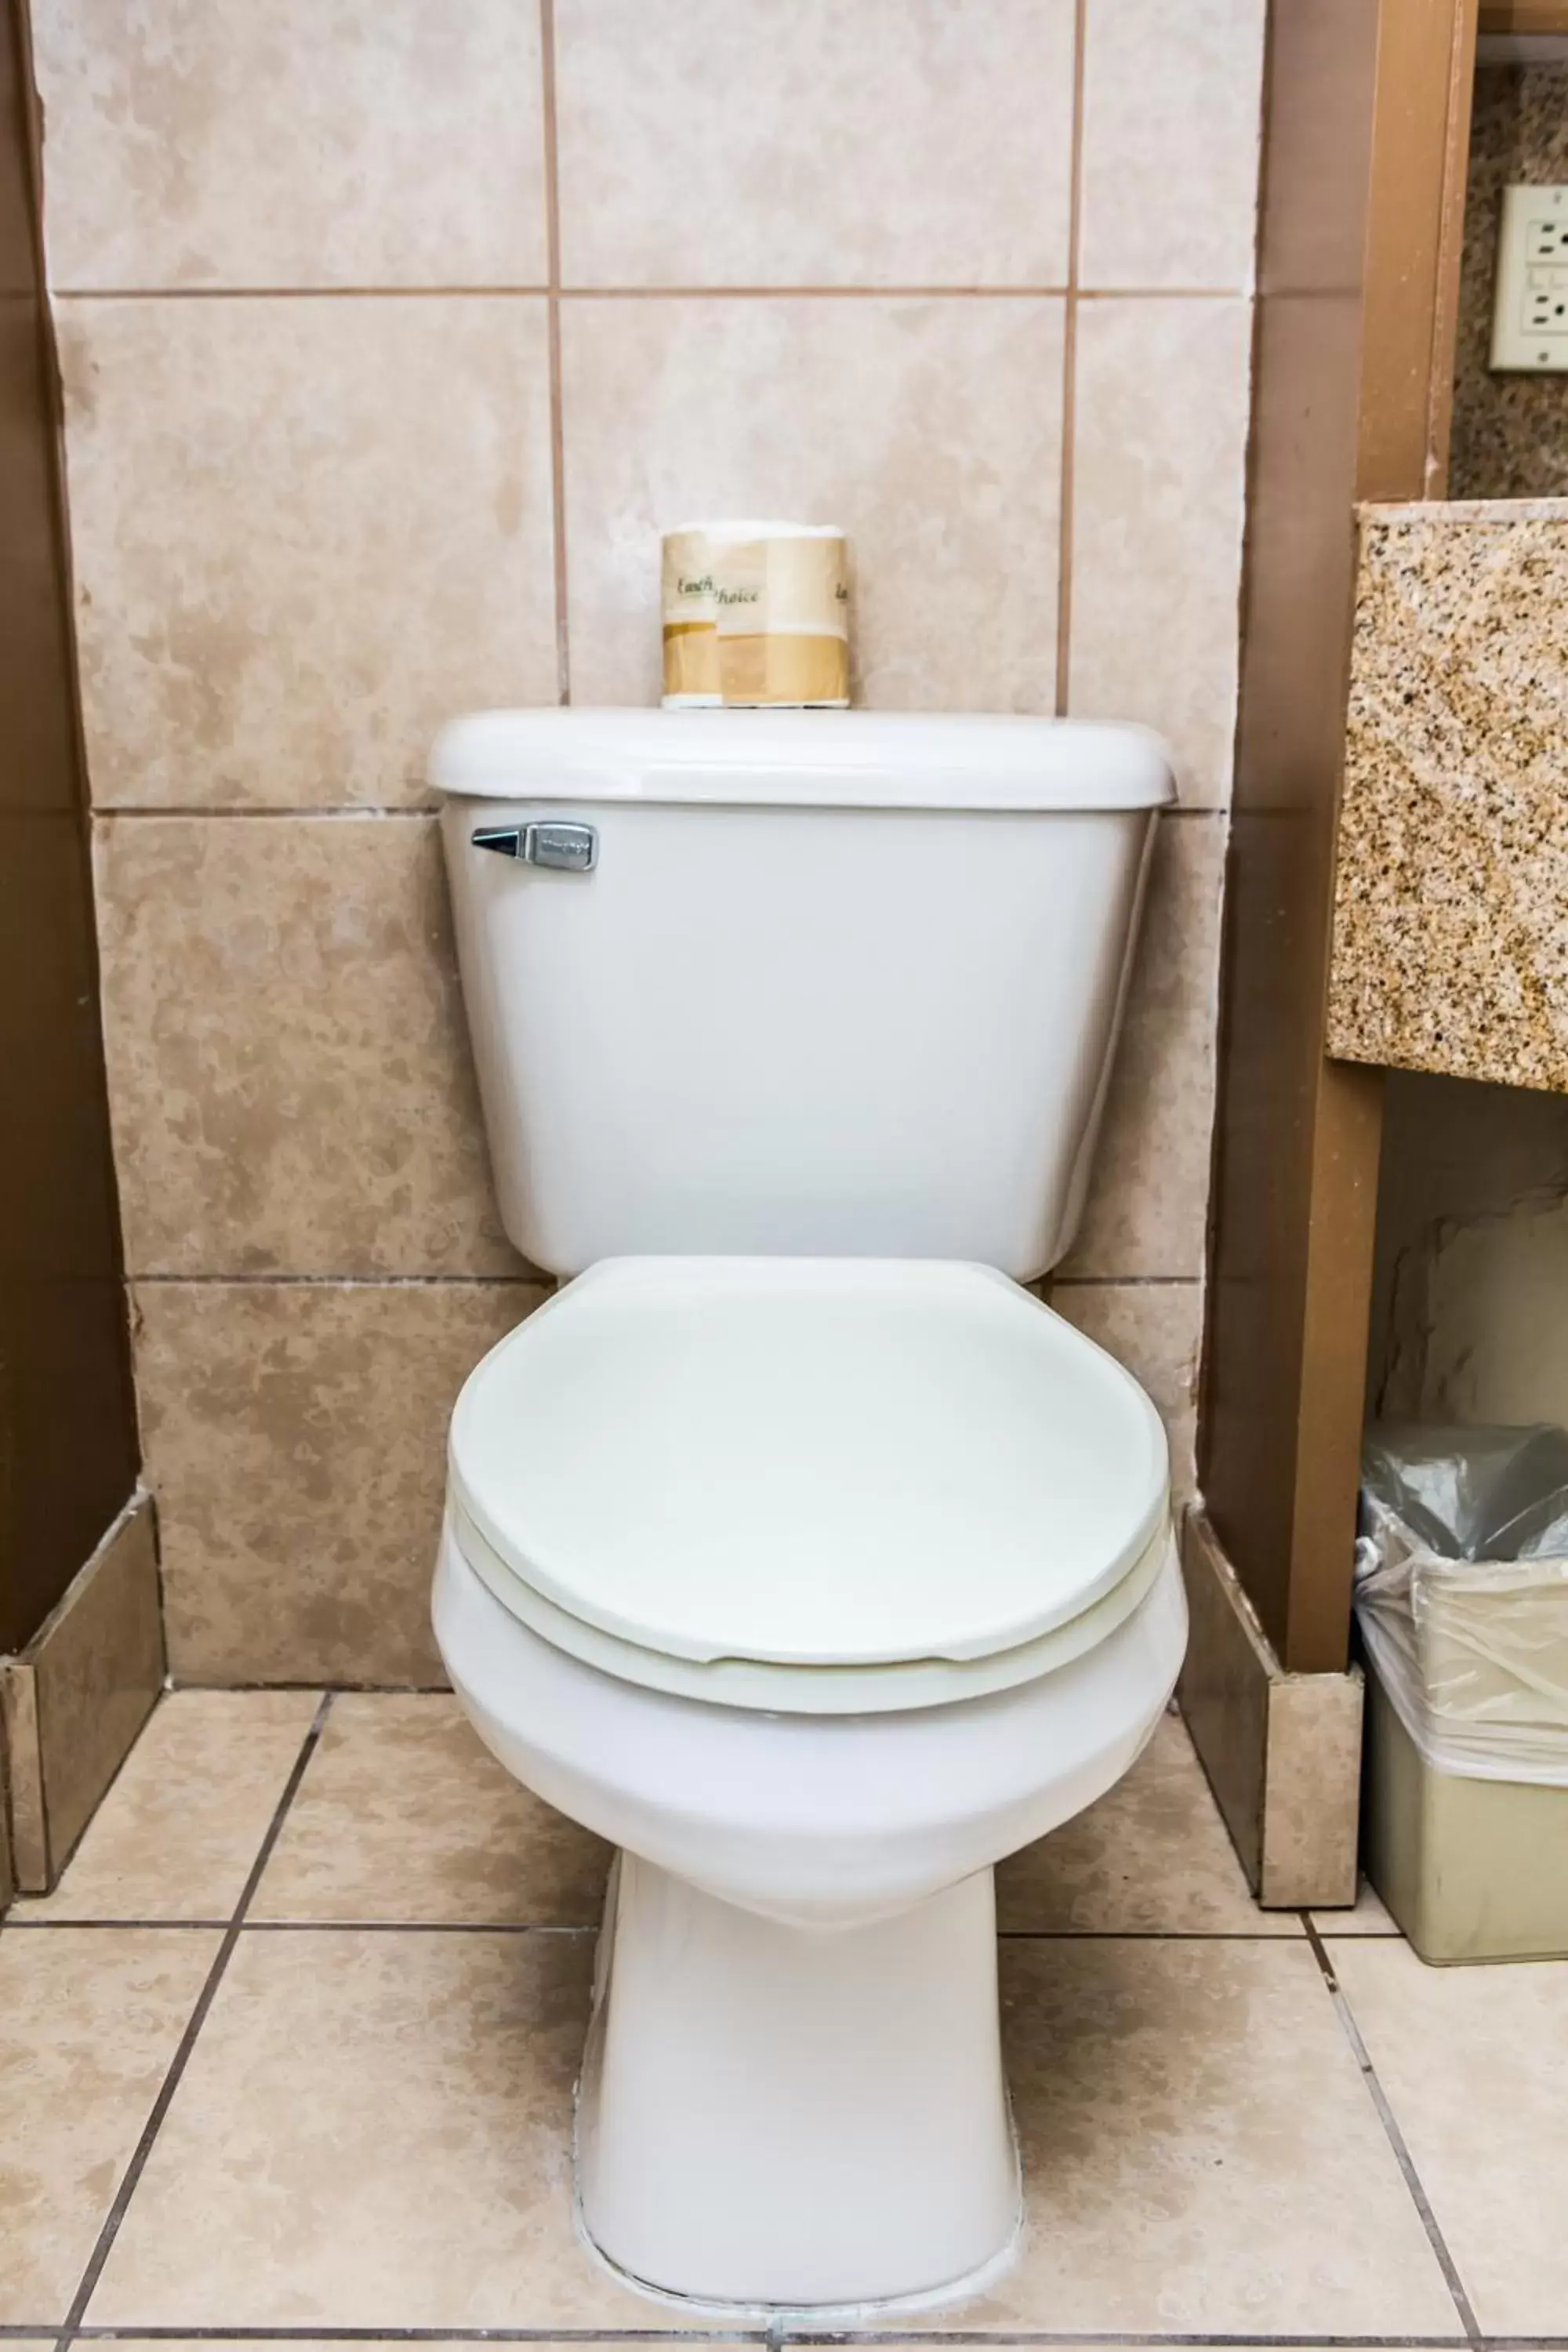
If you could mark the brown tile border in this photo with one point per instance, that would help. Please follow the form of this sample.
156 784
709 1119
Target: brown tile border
72 1703
1282 1752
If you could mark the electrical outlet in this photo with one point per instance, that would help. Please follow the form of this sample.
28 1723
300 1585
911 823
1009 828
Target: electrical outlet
1530 315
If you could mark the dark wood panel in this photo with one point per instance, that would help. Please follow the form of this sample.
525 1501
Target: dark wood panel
1524 16
68 1447
1364 110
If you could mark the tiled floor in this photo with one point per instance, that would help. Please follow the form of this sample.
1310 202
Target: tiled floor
290 2053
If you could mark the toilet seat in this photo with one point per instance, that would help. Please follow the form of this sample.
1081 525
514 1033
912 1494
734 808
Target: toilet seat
818 1486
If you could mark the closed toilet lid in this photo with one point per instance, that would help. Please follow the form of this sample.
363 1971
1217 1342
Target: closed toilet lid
807 1463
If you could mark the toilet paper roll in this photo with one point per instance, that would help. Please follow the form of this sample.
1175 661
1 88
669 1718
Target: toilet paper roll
756 614
691 621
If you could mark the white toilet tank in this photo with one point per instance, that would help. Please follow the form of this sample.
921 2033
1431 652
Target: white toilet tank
796 982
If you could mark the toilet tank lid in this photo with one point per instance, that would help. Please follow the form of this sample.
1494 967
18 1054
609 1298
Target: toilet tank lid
803 758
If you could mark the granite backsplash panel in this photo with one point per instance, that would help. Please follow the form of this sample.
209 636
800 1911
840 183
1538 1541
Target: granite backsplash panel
1451 947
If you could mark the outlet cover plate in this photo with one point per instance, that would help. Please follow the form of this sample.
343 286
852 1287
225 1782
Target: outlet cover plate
1529 321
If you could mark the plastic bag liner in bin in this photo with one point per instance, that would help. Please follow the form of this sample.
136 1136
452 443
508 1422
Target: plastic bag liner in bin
1462 1594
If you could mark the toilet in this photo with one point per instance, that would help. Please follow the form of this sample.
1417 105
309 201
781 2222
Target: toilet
794 1546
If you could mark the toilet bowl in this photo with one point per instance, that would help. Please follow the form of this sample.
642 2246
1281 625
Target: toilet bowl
815 1587
793 1546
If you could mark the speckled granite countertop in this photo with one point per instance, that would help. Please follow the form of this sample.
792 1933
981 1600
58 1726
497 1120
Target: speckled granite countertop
1450 945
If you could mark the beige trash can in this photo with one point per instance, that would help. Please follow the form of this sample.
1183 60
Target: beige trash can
1462 1603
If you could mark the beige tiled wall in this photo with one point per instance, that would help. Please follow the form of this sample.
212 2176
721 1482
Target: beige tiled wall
391 335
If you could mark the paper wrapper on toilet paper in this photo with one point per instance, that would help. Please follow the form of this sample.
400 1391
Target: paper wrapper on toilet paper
691 621
756 614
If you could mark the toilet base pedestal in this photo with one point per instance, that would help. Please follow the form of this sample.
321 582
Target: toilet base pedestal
798 2118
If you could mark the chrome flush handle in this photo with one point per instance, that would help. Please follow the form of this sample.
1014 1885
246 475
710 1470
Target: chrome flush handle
564 849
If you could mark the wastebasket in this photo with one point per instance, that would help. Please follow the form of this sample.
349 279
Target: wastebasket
1462 1603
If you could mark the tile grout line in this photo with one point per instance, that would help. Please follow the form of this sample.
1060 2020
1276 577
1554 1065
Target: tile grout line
537 1282
429 811
381 1282
320 1687
1285 1936
11 1925
1041 292
714 2337
103 2245
1395 2136
1069 368
339 1925
347 1924
317 811
1125 1281
528 293
414 1927
553 334
393 2335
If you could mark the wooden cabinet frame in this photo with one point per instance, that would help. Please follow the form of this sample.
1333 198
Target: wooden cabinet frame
1366 134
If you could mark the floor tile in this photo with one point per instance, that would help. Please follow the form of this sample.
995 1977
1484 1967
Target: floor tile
1152 1857
89 2022
177 1834
1474 2063
403 1815
1368 1916
373 2131
1200 2152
